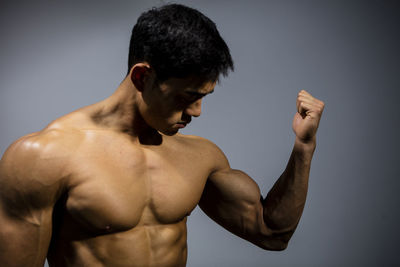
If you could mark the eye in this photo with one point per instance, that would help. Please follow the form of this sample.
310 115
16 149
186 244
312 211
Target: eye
188 99
182 101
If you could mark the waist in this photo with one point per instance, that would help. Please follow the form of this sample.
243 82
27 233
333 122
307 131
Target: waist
143 245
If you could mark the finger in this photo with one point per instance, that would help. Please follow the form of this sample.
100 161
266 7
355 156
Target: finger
307 109
305 99
303 95
313 101
304 92
298 104
306 102
304 107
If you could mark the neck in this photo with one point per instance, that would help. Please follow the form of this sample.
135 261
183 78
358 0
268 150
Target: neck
120 112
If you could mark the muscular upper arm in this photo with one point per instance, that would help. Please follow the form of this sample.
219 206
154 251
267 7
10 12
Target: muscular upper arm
233 199
30 184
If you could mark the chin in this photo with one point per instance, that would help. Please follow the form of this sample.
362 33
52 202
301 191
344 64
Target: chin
169 132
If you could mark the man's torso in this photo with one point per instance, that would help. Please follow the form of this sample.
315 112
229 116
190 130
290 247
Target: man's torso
125 203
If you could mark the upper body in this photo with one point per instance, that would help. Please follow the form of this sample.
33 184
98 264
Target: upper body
112 184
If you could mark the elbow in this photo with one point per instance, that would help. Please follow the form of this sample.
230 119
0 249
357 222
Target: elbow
274 241
273 245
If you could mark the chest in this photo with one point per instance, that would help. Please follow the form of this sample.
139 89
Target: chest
118 191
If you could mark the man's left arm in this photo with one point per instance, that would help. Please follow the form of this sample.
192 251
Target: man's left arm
233 199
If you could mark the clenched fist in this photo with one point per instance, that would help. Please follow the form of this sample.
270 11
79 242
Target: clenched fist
306 119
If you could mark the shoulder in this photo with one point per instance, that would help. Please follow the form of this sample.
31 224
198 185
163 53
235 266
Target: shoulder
35 167
199 144
48 144
207 150
58 140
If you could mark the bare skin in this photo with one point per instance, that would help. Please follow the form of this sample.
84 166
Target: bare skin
112 184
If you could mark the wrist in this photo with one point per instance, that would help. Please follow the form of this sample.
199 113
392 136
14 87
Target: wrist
306 146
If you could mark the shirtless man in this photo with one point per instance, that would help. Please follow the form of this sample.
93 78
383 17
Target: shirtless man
112 184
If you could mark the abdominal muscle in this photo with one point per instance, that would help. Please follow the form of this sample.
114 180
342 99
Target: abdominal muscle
144 245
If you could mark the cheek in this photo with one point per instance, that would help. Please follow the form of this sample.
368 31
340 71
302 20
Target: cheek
165 115
169 111
163 111
174 117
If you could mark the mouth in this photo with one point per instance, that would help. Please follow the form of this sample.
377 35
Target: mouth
181 125
185 121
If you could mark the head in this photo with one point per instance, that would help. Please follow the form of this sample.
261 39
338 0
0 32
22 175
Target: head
178 41
174 51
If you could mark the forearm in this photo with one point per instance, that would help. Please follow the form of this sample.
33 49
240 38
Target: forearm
284 203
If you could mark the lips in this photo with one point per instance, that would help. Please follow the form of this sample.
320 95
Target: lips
181 124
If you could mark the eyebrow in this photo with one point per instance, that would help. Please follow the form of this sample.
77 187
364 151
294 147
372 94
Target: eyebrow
194 93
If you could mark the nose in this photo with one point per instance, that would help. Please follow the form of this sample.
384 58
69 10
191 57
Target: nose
194 109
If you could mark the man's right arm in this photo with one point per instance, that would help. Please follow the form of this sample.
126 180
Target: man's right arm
31 181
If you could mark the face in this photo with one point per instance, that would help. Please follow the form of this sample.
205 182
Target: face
169 106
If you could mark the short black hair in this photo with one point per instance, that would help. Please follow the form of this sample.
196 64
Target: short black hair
179 41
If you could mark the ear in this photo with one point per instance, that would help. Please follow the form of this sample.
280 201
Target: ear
139 75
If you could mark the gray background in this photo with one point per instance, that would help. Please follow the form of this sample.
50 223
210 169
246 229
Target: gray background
58 56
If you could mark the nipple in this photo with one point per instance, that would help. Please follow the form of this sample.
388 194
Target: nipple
108 227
